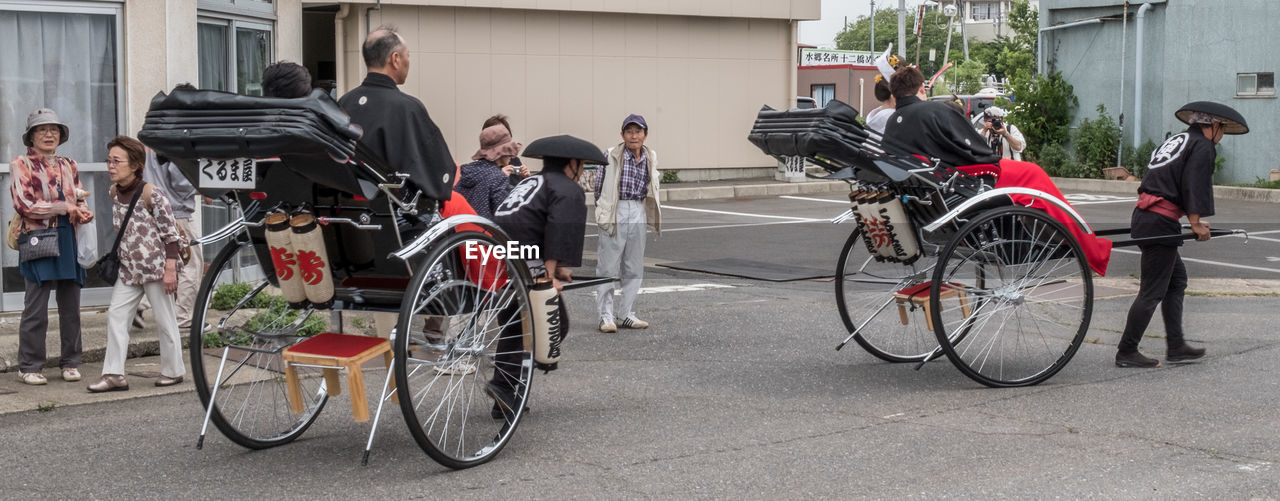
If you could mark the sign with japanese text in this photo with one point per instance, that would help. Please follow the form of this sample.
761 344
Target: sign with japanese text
826 57
236 173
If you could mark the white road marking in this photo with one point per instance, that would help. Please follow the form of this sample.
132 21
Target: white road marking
791 197
718 226
747 214
1273 259
1206 261
674 288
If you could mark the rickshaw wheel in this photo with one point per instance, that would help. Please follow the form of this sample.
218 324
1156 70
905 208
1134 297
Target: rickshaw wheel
245 313
864 294
460 328
1012 299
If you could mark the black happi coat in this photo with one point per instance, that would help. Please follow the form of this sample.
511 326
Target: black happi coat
398 128
548 210
1181 171
932 129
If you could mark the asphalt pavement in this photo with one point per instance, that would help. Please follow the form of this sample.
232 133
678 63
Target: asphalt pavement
736 391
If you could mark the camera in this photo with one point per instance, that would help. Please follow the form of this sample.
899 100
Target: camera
997 123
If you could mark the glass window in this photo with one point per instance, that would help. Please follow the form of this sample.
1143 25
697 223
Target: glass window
823 93
233 63
1255 84
983 11
212 41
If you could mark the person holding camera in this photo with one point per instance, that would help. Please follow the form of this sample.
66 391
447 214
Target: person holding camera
1004 138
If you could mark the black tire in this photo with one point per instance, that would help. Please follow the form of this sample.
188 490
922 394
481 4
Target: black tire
451 338
864 294
252 409
1029 292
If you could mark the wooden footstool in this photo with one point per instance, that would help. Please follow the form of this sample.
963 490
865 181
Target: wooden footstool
919 295
333 352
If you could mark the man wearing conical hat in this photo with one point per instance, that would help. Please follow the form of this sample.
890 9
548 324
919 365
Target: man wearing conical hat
1179 182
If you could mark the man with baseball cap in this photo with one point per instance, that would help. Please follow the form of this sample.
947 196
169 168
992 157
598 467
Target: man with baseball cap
626 203
1179 182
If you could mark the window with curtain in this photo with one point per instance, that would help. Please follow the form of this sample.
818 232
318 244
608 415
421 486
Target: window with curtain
249 43
823 93
63 61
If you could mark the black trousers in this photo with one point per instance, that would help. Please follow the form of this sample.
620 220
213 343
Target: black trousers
1164 281
35 324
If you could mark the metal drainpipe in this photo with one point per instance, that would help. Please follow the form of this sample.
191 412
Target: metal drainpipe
340 41
377 7
1137 75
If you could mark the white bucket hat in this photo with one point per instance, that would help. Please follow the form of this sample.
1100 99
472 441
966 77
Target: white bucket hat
44 116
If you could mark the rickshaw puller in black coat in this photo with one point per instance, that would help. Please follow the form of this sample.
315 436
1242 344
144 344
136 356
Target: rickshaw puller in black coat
1179 181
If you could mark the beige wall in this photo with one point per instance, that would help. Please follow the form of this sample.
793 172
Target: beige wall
699 81
856 87
772 9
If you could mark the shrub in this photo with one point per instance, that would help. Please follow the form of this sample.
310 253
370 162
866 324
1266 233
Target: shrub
1056 161
1137 159
1043 110
226 296
1096 144
670 176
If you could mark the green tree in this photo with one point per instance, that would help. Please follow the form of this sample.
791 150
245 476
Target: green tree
1025 23
968 76
1043 110
857 36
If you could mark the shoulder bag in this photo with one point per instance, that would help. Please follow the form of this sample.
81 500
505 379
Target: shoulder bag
109 265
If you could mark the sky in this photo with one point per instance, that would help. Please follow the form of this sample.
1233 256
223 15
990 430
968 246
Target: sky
823 32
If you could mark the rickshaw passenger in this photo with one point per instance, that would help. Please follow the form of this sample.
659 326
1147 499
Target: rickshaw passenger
396 125
548 211
930 128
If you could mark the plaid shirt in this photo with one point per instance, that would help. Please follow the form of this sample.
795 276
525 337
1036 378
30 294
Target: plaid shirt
634 182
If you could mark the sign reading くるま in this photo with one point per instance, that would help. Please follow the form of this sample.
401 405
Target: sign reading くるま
825 57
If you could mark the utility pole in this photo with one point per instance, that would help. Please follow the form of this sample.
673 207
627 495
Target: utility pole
964 19
873 25
902 30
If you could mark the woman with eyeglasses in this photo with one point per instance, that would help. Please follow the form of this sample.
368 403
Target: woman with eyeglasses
46 196
149 252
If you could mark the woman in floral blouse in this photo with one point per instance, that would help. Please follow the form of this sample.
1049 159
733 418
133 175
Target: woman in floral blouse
44 189
148 254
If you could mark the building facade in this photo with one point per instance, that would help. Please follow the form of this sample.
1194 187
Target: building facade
697 69
846 75
1159 55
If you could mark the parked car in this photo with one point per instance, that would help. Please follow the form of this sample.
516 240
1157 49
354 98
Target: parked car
974 104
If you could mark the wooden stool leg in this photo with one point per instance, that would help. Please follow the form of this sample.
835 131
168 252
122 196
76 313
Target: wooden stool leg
902 311
964 303
355 390
391 383
331 382
293 388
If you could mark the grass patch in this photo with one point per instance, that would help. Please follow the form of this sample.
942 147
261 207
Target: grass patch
1231 294
226 296
1261 183
670 176
275 313
46 407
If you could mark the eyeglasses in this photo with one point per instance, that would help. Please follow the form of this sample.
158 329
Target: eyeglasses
112 161
48 132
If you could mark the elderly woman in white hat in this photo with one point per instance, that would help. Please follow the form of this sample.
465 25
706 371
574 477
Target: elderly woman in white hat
1004 138
47 197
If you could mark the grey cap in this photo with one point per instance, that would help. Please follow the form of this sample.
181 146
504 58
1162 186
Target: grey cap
44 116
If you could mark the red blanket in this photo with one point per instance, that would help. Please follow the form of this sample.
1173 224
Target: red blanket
1015 173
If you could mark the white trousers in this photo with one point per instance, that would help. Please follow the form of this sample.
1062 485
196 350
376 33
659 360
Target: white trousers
124 302
622 256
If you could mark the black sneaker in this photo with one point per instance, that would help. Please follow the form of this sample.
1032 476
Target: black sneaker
1184 353
1135 359
504 400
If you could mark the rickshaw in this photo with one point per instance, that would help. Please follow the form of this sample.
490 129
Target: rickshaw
941 261
265 366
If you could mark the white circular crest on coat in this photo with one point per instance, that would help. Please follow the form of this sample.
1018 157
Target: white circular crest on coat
34 240
1169 151
520 196
899 119
363 99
